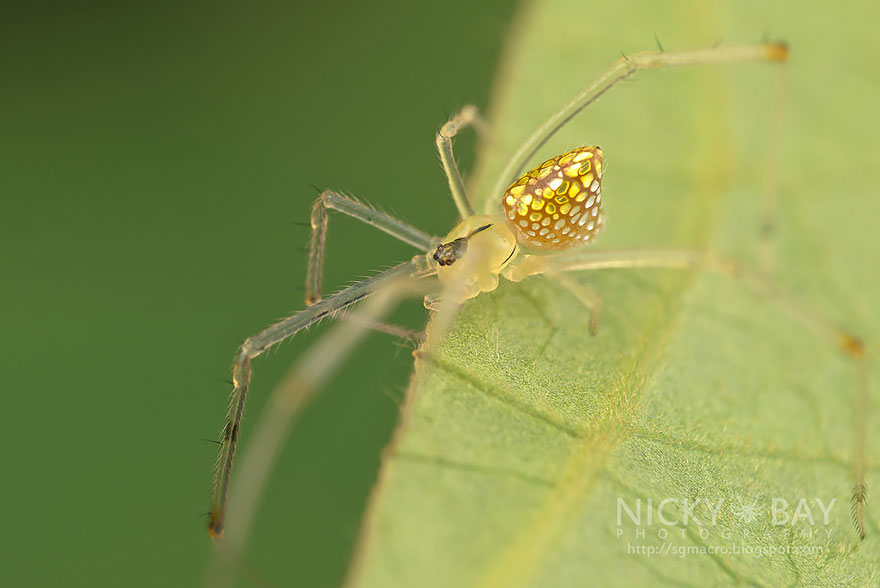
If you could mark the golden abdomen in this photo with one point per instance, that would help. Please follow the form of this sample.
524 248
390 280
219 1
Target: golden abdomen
558 204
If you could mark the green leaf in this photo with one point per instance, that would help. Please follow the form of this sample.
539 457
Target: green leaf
522 434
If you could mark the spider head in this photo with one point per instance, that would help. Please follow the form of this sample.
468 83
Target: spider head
447 253
473 254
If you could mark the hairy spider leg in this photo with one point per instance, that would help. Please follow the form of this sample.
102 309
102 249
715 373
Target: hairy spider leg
290 396
330 200
418 267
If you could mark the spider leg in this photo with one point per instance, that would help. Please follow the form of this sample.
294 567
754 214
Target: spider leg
417 267
289 397
624 68
329 200
585 294
846 342
771 179
467 116
411 335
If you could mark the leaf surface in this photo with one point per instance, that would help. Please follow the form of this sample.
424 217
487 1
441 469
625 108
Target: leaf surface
523 434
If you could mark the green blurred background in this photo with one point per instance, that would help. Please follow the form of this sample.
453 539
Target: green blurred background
156 159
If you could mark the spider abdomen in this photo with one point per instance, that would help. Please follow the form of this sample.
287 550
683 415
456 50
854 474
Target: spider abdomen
558 204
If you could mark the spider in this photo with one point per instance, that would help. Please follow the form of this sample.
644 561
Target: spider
538 223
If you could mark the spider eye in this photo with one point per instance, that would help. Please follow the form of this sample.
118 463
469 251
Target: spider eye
447 253
558 204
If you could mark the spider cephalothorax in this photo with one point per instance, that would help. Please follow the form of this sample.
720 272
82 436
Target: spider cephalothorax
482 248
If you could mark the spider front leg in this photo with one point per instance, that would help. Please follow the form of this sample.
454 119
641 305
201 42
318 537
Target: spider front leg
291 395
418 267
844 341
329 200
